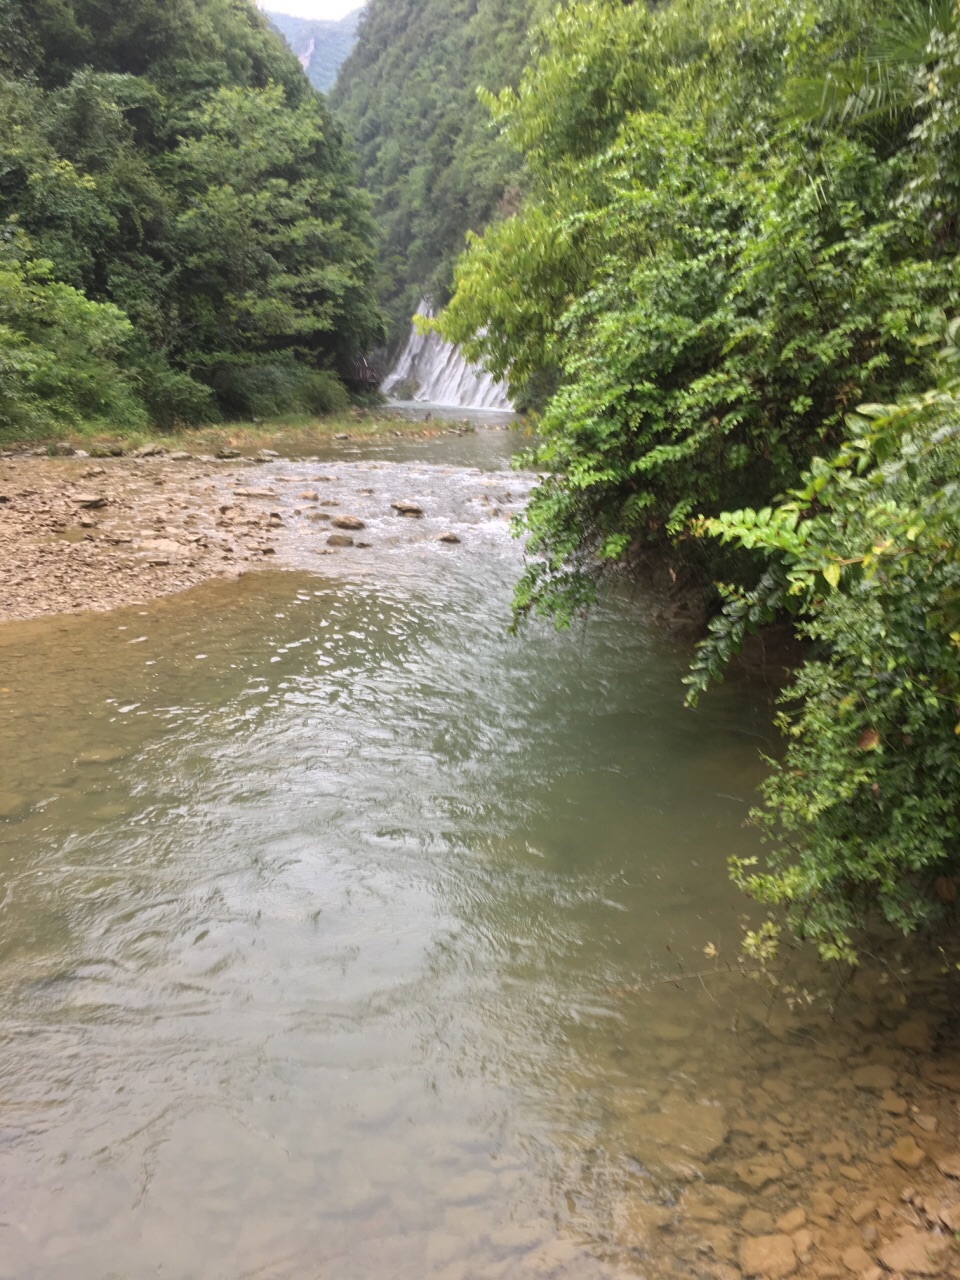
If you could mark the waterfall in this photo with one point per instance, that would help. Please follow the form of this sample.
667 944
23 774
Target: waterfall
435 371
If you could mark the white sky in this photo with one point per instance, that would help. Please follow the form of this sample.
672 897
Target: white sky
311 8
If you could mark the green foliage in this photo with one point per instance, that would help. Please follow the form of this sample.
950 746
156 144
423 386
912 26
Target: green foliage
428 156
708 287
862 811
740 222
63 359
172 160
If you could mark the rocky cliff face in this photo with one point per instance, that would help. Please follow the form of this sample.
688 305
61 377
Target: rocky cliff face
321 46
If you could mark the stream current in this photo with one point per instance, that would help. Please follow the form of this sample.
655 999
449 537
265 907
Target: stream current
336 923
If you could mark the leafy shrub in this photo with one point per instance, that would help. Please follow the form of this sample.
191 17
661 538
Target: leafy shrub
273 388
863 811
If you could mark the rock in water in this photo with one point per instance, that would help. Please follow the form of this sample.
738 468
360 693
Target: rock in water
348 522
407 508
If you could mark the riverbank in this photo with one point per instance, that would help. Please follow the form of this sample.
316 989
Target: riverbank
114 521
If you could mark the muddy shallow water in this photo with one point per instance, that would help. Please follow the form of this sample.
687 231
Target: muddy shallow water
340 937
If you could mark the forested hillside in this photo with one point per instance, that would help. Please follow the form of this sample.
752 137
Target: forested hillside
428 154
739 224
320 46
182 237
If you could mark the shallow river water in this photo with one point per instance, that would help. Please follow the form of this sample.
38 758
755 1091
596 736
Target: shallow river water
336 926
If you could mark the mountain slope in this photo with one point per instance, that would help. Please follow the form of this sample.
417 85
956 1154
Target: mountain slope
169 175
428 154
322 47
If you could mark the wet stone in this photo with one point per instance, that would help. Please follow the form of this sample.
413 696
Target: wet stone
770 1256
348 522
792 1220
12 806
695 1128
877 1078
863 1210
104 756
856 1259
893 1104
907 1153
756 1222
339 540
914 1253
757 1174
823 1205
916 1033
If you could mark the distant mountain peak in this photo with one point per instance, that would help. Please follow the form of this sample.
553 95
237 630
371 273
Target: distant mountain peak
321 44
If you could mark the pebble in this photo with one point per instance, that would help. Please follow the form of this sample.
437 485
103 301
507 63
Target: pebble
756 1222
823 1205
914 1252
792 1220
907 1153
876 1077
770 1256
856 1259
862 1210
915 1033
104 756
893 1104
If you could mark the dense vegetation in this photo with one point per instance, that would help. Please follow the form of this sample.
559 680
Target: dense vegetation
180 234
322 46
427 152
740 223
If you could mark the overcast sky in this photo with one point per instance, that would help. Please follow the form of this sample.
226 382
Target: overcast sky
311 8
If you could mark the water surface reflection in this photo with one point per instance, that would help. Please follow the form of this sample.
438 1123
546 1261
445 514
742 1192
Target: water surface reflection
324 906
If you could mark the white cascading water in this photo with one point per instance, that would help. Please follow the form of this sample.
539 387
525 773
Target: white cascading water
436 372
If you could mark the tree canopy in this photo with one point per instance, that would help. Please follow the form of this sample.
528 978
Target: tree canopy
739 224
168 158
427 152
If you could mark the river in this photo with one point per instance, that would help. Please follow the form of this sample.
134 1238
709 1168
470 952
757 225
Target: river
340 930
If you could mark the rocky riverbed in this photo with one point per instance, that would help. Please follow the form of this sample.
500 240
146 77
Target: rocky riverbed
78 533
816 1141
